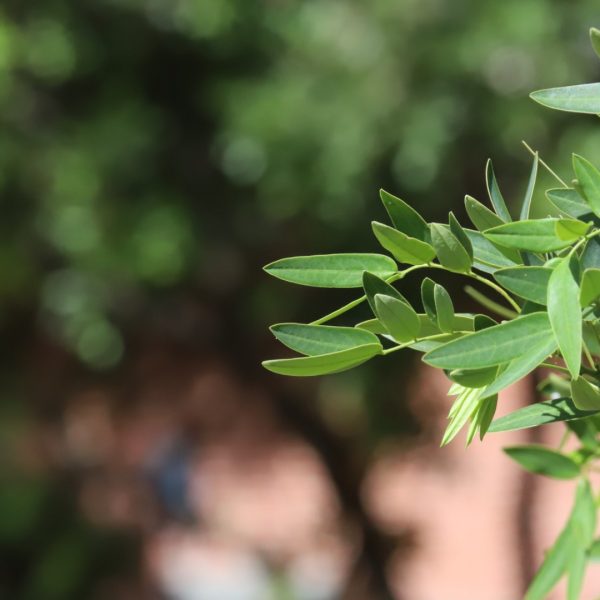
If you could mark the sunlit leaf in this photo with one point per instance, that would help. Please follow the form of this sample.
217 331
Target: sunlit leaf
537 235
449 250
570 229
590 286
589 180
399 318
583 98
586 395
481 216
530 283
525 208
403 248
374 285
428 298
405 218
495 194
460 235
568 201
444 309
544 461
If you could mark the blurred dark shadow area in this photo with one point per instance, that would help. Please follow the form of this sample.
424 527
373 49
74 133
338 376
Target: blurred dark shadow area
154 155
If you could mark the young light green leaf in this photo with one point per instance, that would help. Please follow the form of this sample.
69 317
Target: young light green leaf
590 287
525 208
481 216
537 235
323 364
544 461
428 298
462 410
403 248
331 270
460 235
444 309
569 202
493 346
495 194
373 325
589 180
449 250
375 285
399 318
570 229
549 411
405 218
575 98
564 312
521 366
530 283
320 339
586 395
595 40
473 378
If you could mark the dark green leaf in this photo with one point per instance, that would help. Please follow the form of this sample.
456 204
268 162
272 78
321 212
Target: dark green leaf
525 208
538 235
483 322
544 461
449 250
428 298
481 216
595 40
403 248
586 395
590 286
589 180
307 366
549 411
320 339
375 285
530 283
564 313
331 270
495 194
590 257
460 235
473 378
575 98
399 318
405 218
443 308
493 346
373 325
487 410
568 201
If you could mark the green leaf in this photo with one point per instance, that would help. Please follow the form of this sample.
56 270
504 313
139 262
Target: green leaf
331 270
320 339
481 216
486 413
449 250
530 187
575 98
483 322
493 346
589 180
323 364
403 248
594 551
586 395
590 257
544 461
443 308
495 194
564 313
576 573
463 408
568 201
530 283
428 298
549 411
590 287
460 235
595 40
522 365
583 516
405 218
538 235
373 325
473 378
488 257
570 229
399 318
374 285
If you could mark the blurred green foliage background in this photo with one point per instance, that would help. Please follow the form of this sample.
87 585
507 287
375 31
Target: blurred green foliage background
154 154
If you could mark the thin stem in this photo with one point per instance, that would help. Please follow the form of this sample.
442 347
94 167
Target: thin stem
507 313
498 289
552 366
544 164
437 336
588 355
564 439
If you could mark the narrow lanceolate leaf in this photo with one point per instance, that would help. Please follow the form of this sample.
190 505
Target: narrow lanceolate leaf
443 308
323 364
576 573
586 395
488 257
549 411
487 410
373 325
495 194
463 408
331 270
460 235
321 339
399 318
473 378
403 248
449 250
538 235
525 208
481 216
590 286
521 366
494 345
564 312
583 517
569 202
530 283
374 285
405 218
575 98
544 461
428 298
589 180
